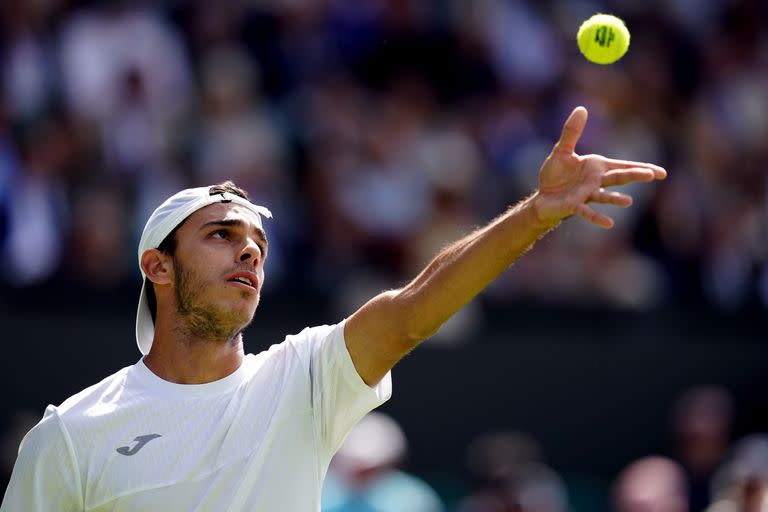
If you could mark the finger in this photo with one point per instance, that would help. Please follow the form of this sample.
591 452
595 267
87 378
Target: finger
572 130
659 172
603 196
623 176
599 219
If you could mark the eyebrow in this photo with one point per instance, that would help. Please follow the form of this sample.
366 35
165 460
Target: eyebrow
235 223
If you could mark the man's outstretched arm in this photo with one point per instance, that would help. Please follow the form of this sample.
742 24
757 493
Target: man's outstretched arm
391 324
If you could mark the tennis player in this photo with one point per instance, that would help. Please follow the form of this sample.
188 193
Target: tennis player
199 425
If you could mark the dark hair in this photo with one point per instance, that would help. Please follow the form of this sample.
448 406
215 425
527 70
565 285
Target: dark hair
168 245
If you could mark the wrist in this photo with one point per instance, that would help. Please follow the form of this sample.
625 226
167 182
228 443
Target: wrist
536 204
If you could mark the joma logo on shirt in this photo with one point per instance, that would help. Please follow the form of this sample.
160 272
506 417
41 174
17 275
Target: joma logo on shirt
140 442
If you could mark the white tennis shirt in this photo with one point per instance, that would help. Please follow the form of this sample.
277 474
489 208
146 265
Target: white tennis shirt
259 439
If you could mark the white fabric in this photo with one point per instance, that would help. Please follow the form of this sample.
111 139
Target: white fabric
163 220
259 439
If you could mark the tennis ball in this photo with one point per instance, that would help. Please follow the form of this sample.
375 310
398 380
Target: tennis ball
603 39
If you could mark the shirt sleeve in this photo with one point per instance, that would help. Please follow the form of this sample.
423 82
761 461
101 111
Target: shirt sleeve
340 397
45 476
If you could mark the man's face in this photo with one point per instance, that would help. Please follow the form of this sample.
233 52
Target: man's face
219 270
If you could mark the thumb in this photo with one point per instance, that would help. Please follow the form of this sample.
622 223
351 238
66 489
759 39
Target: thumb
572 130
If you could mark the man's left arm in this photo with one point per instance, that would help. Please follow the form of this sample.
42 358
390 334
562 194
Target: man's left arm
391 324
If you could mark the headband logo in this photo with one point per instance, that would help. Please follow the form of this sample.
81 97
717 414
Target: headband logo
224 198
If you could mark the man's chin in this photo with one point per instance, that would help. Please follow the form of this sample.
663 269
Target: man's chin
249 301
222 322
246 312
242 318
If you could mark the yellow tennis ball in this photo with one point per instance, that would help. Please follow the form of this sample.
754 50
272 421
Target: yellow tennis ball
603 39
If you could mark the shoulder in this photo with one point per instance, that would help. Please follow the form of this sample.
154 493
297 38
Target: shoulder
48 431
52 434
311 338
47 447
49 440
46 474
301 345
295 353
106 390
314 333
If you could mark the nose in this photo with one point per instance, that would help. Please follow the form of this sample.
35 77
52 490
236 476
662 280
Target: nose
251 252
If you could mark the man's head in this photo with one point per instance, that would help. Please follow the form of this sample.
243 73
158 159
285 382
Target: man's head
201 255
651 484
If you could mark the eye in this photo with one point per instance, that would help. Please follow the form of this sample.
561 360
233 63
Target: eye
220 233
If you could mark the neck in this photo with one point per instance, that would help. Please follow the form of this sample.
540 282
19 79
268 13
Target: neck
179 356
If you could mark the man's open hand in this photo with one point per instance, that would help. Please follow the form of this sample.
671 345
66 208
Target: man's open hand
568 182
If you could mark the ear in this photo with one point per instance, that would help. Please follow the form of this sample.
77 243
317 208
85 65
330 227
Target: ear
157 266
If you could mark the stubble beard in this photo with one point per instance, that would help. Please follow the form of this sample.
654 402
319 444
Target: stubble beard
203 321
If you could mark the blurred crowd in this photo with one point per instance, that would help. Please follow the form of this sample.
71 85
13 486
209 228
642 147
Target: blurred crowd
378 130
703 472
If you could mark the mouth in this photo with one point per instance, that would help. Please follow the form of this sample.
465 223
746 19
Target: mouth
244 279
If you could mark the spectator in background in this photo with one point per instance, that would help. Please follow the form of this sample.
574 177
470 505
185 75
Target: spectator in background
512 476
96 236
364 475
386 196
741 484
701 423
99 44
26 58
37 209
522 45
651 484
133 139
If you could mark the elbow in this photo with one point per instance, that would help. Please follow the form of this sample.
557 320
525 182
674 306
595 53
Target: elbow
418 336
413 319
420 331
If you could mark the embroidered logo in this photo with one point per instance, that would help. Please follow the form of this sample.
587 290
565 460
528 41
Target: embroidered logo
140 442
